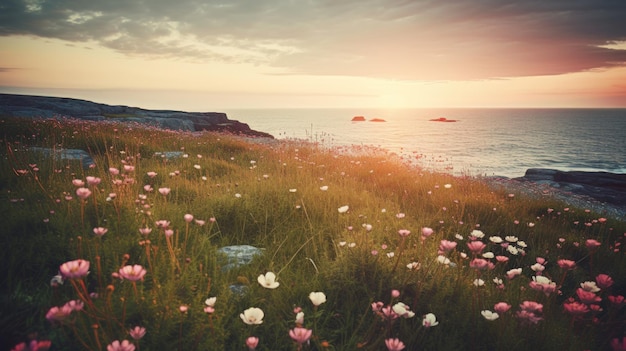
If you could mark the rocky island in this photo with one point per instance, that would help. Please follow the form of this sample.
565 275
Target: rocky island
29 106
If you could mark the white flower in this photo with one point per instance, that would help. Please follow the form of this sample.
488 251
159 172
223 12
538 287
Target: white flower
252 315
511 238
522 244
429 320
512 250
413 266
495 239
268 280
324 188
488 255
443 259
343 209
238 195
497 281
211 301
538 267
458 236
293 190
477 234
300 318
447 186
403 310
490 316
590 286
479 282
317 298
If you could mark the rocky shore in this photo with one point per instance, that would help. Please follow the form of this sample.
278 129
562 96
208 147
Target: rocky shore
30 106
602 192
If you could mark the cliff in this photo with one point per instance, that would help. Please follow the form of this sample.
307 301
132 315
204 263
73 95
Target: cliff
48 107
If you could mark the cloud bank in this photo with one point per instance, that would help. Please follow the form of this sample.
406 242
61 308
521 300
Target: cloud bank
397 39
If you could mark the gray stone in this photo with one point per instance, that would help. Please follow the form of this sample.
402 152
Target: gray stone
67 154
238 255
169 154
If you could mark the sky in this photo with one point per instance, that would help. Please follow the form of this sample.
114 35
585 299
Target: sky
205 55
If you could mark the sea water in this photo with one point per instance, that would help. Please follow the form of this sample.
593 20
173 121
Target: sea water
482 142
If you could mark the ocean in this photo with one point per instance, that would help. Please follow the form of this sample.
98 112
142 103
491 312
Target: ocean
482 142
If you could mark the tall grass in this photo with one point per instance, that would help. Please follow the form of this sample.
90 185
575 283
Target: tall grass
288 199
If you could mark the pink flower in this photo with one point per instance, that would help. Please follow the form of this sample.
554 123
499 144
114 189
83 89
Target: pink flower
74 269
125 345
479 263
476 246
59 313
604 281
145 231
99 231
132 272
566 264
300 335
137 332
114 171
74 305
616 345
592 244
543 284
501 307
164 191
188 218
93 180
394 344
575 308
446 246
83 193
404 232
616 300
587 297
34 345
78 182
151 174
129 168
395 293
426 232
252 342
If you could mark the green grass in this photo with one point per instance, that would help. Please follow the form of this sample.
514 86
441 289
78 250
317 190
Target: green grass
269 195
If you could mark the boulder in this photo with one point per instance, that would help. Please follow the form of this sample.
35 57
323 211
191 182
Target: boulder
605 187
358 119
377 120
67 154
49 107
238 255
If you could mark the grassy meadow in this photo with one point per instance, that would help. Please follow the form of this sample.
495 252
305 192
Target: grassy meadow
359 250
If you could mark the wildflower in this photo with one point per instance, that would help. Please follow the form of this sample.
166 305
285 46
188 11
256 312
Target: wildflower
293 190
443 260
402 310
317 298
164 191
511 238
145 231
476 246
538 267
478 282
490 316
300 318
446 246
590 286
59 313
512 273
132 272
125 345
512 250
476 234
74 305
74 269
400 215
162 223
544 284
616 300
395 293
183 308
604 281
99 231
151 174
300 335
252 315
575 308
426 232
618 345
501 307
495 239
188 217
83 193
394 344
129 168
210 301
268 280
404 232
324 188
56 281
587 296
592 244
137 332
429 320
199 222
252 342
93 180
479 263
78 182
530 312
413 266
566 264
114 171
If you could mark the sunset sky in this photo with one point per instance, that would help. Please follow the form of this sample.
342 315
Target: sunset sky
202 55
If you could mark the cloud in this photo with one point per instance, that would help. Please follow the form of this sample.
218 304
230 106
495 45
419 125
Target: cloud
395 39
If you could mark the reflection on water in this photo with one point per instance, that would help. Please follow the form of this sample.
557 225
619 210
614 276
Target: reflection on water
482 142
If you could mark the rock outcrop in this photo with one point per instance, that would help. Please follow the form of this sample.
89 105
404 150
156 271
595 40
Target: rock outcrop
49 107
442 119
358 119
601 186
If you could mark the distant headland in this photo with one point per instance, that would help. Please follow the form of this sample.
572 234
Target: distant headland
31 106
